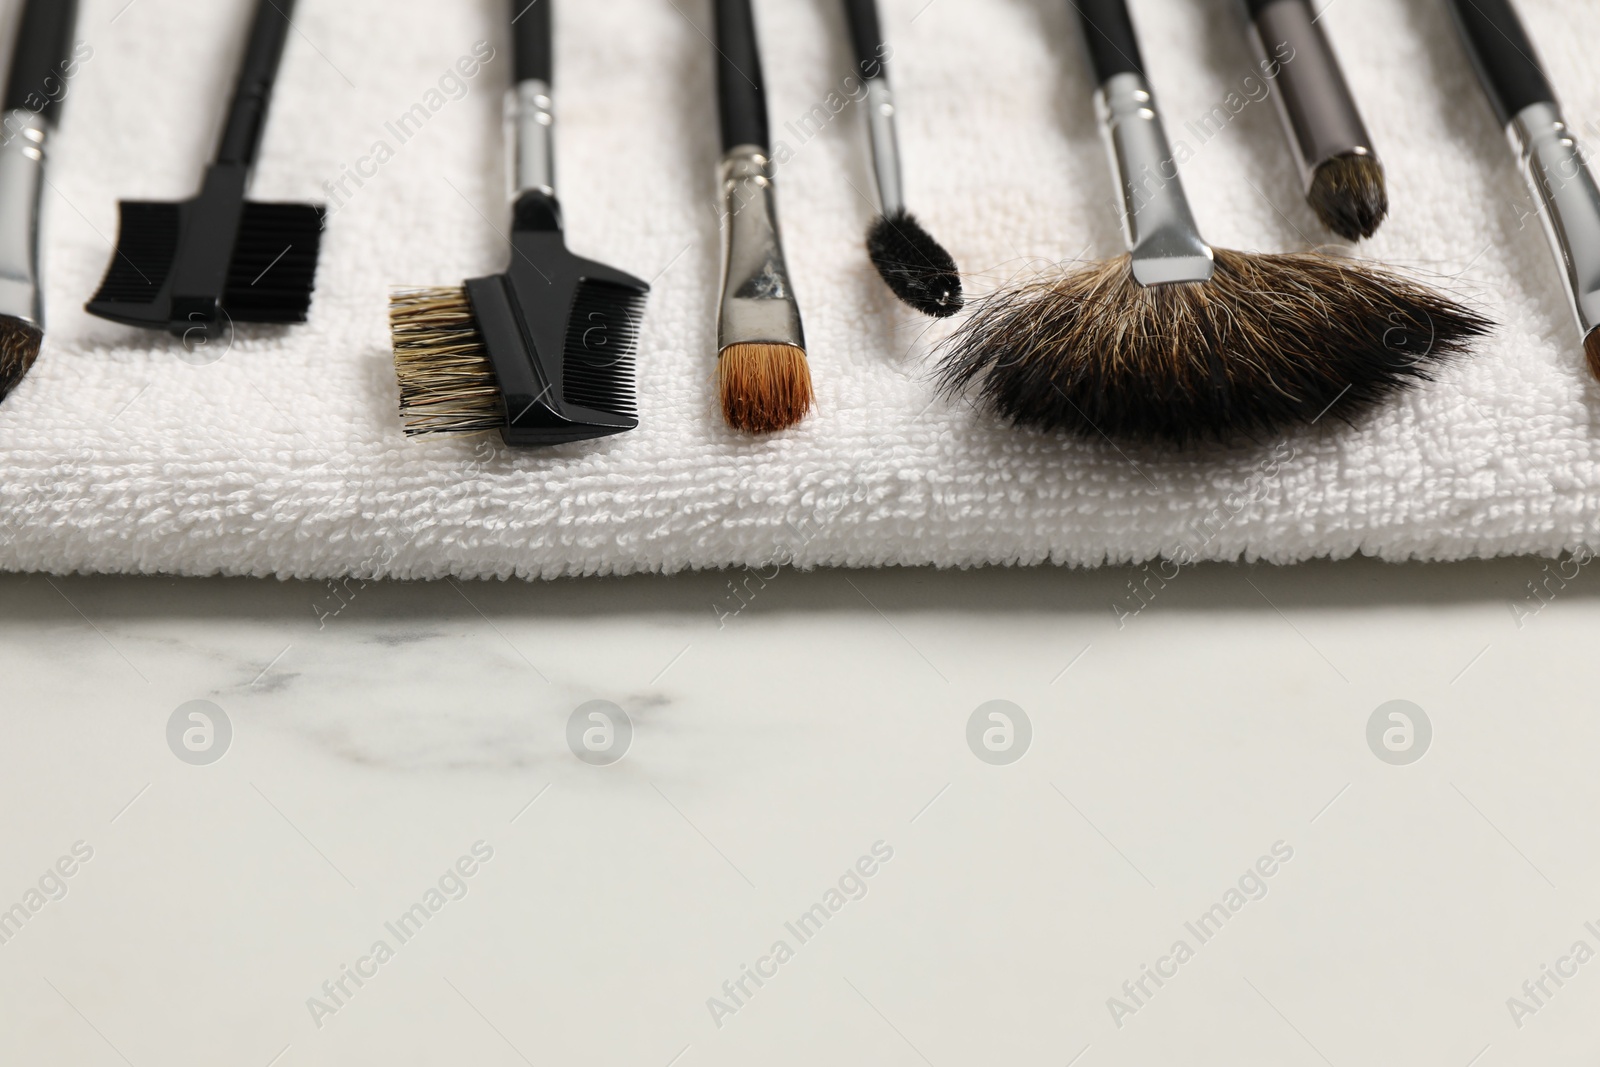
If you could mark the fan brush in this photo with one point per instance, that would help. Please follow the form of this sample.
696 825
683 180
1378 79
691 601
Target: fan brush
1176 341
1344 181
762 375
197 266
42 60
1552 161
544 352
914 266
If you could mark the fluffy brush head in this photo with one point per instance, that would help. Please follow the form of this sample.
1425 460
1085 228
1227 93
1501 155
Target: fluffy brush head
765 388
447 384
19 347
1350 196
1271 342
914 265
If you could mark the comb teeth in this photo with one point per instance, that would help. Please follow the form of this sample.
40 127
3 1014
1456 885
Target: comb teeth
147 244
274 266
602 337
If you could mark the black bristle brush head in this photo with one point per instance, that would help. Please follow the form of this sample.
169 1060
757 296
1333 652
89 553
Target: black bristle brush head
19 348
915 266
213 260
543 353
1350 195
1270 343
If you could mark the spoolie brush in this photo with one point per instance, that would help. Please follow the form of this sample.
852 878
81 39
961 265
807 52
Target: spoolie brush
41 62
1553 163
762 374
913 265
194 267
1176 341
543 353
1344 181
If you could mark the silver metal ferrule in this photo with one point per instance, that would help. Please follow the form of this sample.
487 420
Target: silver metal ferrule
1156 220
885 145
22 160
531 133
1313 100
1569 202
758 302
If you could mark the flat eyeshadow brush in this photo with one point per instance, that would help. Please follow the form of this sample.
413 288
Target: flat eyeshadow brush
762 374
202 264
1343 179
1177 341
913 265
543 353
41 62
1553 163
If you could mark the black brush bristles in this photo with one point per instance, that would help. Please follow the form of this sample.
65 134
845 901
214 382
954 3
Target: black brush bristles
914 266
19 348
147 244
274 267
1350 195
1271 342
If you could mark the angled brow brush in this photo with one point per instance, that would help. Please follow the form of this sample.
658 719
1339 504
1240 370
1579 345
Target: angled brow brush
1177 341
544 352
1553 164
762 374
913 265
41 62
220 258
1344 181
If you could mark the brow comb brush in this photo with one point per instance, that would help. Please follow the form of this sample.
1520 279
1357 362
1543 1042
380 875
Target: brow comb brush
543 353
220 258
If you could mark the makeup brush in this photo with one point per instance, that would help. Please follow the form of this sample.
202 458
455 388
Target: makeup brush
41 62
196 266
543 353
1554 165
1343 179
1176 341
762 374
915 266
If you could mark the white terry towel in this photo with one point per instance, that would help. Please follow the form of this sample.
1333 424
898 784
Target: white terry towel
125 452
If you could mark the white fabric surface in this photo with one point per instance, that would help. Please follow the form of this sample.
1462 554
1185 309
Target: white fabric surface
285 457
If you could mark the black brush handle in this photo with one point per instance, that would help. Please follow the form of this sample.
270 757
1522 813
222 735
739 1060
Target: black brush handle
866 36
533 39
741 89
1502 55
247 117
1108 31
42 57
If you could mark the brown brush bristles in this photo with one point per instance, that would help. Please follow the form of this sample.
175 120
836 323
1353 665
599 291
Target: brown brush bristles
1270 342
19 347
447 384
1350 196
1591 349
765 388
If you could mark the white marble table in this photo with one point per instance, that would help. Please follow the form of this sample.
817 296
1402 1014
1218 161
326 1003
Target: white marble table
398 772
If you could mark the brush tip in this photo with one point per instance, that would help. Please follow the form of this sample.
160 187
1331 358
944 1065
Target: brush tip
19 348
1350 195
915 266
1591 350
765 387
447 384
1271 343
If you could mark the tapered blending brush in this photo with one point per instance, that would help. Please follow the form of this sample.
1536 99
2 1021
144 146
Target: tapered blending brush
543 353
762 373
1554 165
1343 179
913 265
1177 341
41 62
197 266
